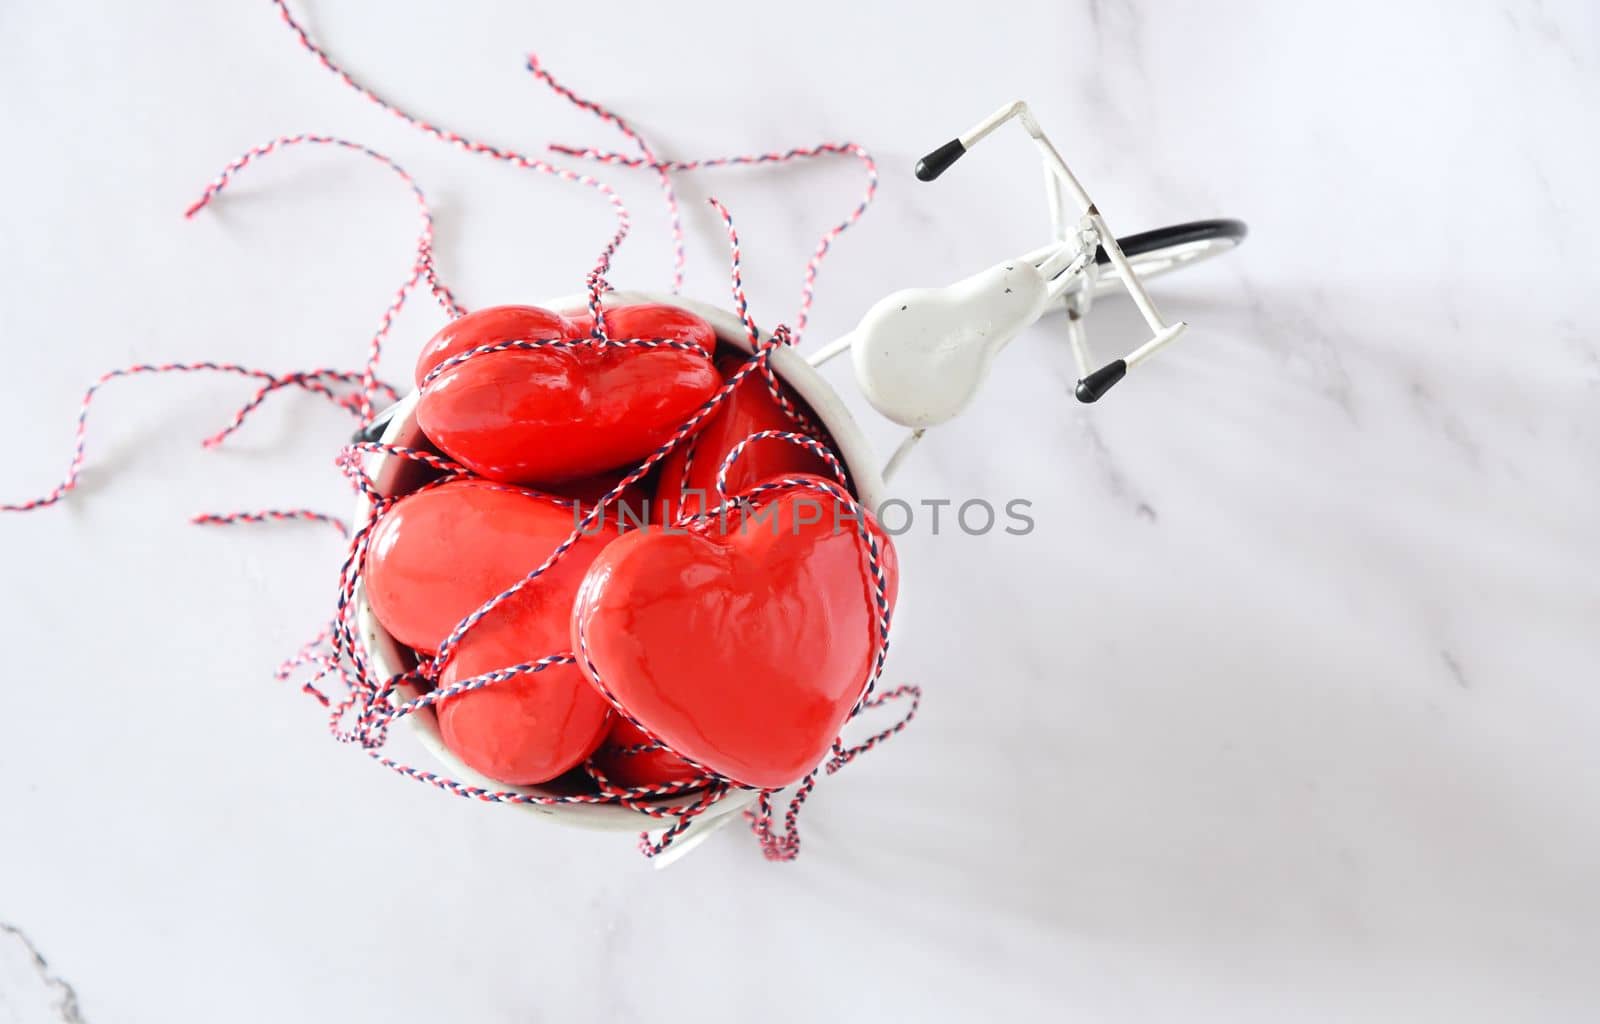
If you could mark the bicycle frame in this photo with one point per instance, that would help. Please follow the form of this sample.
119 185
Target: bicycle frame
921 354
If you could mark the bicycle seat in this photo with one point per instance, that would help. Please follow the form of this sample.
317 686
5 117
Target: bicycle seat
922 354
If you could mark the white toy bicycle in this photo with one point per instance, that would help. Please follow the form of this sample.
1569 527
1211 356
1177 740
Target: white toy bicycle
921 354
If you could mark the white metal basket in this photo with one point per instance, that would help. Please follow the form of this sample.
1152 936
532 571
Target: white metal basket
384 652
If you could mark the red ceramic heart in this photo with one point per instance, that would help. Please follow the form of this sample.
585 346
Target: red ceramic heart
546 415
646 321
689 474
534 726
639 768
743 648
439 554
489 327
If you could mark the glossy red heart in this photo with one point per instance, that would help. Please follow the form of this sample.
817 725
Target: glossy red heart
439 554
743 648
534 726
640 767
689 474
490 327
546 415
648 321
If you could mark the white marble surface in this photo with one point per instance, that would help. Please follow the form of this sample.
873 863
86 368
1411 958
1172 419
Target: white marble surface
1287 710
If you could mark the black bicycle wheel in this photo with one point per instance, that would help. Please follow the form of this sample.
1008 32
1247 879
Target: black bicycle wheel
1176 236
